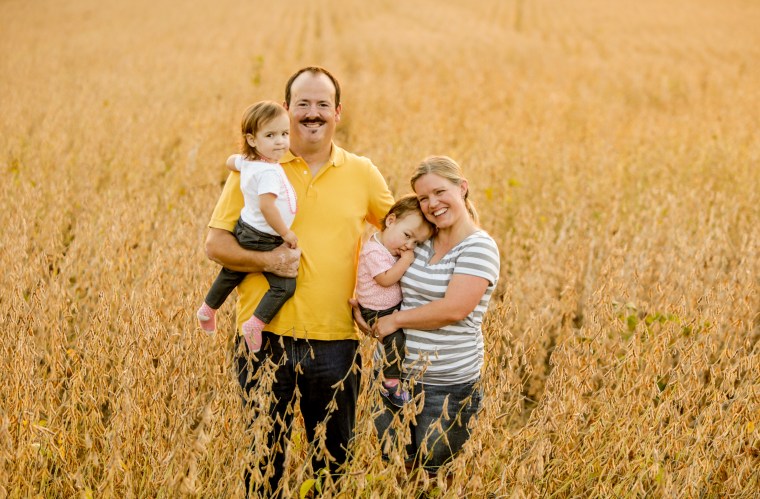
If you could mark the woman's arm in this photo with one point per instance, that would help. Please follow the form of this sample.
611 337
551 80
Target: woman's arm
223 248
462 296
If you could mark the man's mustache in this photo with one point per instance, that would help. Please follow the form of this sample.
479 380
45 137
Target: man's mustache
312 120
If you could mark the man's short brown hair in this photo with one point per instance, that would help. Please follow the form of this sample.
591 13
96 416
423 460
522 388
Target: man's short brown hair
314 70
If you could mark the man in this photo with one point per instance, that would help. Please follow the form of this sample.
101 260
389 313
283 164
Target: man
312 340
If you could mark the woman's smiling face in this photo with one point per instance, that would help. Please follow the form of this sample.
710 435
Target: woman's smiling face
441 200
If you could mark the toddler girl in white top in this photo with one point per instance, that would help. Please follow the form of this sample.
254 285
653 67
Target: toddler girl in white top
382 262
265 220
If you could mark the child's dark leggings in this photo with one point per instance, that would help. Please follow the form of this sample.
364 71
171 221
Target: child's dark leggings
280 288
393 344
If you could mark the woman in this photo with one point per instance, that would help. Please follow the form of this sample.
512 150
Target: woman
445 294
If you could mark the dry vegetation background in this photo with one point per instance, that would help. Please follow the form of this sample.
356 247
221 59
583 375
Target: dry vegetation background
614 155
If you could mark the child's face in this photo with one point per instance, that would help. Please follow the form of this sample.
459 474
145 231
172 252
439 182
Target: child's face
404 233
272 140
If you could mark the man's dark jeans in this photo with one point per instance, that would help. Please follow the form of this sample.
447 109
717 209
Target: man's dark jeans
313 368
394 344
281 289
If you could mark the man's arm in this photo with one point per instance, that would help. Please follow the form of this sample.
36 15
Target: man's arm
223 248
380 197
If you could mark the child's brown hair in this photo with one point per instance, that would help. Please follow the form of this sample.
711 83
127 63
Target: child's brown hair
404 206
255 117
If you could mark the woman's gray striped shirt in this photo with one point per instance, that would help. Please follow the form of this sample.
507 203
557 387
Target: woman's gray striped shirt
453 353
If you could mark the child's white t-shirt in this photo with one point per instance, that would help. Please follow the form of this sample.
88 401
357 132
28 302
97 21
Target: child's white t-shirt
260 177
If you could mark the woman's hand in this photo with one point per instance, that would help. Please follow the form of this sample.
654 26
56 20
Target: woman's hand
385 326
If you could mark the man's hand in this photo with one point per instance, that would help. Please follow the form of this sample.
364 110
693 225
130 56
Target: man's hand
358 319
284 261
223 248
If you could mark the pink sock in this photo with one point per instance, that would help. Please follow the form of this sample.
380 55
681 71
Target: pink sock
390 383
206 318
252 329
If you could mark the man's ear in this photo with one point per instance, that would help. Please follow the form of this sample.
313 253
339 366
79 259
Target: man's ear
338 110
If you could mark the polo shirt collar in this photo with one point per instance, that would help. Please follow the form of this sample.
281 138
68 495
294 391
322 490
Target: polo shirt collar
337 156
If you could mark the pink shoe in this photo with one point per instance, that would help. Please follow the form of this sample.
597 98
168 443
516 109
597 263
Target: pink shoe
207 318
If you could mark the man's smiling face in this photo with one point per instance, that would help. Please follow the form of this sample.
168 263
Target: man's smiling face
313 114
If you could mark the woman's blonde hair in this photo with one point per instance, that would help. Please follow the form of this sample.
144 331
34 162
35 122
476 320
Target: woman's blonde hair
447 168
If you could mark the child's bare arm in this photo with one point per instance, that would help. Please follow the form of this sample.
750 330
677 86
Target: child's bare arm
274 219
231 163
395 273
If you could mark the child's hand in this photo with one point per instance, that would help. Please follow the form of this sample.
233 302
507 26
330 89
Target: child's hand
291 238
407 256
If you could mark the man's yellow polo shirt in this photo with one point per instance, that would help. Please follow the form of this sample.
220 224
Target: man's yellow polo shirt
333 209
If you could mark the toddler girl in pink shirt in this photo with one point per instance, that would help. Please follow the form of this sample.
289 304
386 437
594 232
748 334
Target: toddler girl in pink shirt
382 262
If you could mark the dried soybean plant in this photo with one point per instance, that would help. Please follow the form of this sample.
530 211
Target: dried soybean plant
612 154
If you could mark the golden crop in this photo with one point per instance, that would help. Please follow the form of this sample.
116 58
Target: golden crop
613 153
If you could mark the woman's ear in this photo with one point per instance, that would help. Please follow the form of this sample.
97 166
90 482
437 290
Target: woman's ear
465 188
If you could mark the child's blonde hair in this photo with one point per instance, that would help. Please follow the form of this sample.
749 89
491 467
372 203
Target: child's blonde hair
403 207
255 117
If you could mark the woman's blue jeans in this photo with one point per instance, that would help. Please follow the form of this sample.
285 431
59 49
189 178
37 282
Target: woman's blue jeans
433 444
